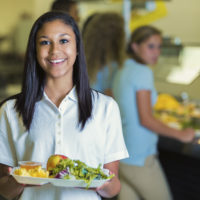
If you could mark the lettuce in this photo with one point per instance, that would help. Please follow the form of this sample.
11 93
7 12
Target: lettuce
67 168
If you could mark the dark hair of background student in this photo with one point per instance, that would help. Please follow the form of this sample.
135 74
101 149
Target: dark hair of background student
68 6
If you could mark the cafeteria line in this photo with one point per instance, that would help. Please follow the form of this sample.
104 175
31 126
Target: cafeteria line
178 103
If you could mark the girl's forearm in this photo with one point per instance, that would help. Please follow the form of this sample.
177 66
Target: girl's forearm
9 188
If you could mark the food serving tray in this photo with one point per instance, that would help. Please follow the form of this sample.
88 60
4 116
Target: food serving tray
56 182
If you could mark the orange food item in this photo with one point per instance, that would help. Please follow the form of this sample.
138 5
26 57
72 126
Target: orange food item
29 164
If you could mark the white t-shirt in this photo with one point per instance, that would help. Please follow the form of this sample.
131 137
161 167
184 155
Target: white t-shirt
55 131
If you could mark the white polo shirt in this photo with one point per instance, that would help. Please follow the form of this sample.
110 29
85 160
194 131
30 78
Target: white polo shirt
55 131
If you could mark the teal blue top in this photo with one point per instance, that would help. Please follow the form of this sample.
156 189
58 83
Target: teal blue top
140 141
105 78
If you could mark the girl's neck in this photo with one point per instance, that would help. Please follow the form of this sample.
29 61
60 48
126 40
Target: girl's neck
57 90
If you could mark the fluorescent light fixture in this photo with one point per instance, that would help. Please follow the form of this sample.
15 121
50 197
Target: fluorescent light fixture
189 68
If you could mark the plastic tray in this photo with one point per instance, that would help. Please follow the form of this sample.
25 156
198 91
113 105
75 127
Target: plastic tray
57 182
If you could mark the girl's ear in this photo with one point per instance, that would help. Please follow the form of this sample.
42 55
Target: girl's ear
134 47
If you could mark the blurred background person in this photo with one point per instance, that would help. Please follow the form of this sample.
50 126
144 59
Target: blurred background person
87 21
69 6
104 41
141 174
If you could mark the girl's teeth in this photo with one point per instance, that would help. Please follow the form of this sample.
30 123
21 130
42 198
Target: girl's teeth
57 61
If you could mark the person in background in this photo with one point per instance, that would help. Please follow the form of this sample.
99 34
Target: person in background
104 40
57 112
87 21
68 6
133 88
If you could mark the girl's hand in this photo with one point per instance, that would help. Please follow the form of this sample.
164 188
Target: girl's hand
187 135
9 188
105 184
112 187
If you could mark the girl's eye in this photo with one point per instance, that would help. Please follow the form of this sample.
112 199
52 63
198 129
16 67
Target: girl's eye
151 46
44 42
64 41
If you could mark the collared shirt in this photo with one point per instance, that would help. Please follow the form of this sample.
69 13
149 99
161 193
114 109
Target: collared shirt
55 130
141 142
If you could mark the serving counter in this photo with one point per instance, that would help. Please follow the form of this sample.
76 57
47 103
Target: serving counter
181 163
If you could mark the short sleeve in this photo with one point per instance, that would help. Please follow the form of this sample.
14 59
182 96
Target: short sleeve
7 155
115 148
143 79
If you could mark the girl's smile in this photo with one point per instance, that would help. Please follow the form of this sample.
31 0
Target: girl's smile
58 61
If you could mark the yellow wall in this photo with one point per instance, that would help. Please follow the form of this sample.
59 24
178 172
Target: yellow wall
41 6
10 11
182 20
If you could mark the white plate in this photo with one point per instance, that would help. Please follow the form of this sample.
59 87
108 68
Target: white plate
56 182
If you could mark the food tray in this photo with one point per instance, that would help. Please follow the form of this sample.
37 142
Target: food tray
57 182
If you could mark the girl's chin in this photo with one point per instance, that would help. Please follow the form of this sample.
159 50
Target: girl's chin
153 62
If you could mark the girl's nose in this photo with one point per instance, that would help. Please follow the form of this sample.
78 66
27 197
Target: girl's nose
54 48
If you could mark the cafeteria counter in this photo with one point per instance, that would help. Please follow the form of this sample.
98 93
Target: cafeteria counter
181 163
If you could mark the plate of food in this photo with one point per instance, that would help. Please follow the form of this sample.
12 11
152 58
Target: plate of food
61 172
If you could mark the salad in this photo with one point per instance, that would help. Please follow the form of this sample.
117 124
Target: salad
76 170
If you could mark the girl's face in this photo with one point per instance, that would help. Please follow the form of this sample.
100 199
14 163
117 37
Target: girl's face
56 49
149 50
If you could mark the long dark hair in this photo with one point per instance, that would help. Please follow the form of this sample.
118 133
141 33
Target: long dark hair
139 35
34 77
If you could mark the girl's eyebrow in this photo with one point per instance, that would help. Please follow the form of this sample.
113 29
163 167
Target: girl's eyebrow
43 36
61 35
65 34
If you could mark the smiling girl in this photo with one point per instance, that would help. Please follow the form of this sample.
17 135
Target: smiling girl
57 113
